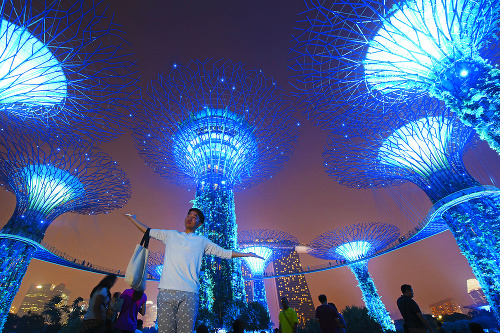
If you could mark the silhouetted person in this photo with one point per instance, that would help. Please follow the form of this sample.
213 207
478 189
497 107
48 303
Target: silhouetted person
140 325
134 302
343 324
287 318
328 317
95 318
410 311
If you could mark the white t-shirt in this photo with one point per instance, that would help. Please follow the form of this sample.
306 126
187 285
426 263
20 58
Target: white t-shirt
90 311
183 256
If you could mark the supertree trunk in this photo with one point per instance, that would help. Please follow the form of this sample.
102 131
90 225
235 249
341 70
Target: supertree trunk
15 256
374 304
468 223
259 293
222 290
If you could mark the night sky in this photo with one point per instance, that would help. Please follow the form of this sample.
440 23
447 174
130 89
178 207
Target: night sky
300 199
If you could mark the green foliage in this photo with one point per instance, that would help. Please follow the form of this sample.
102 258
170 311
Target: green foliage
75 317
311 326
460 326
53 312
256 317
222 290
475 99
28 323
359 321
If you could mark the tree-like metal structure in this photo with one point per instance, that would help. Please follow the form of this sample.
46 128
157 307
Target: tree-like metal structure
354 244
63 70
216 126
48 180
427 151
270 245
358 53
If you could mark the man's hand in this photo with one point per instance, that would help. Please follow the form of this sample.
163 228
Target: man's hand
253 255
139 225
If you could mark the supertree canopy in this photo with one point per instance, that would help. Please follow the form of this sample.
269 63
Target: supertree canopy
63 71
48 180
216 126
384 51
269 244
354 244
426 150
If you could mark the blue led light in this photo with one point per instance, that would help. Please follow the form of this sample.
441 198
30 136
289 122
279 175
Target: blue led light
354 250
215 144
49 187
421 38
257 266
419 146
29 74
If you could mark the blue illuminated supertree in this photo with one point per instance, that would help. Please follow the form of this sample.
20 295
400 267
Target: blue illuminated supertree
63 72
353 244
215 126
270 245
369 52
427 151
49 180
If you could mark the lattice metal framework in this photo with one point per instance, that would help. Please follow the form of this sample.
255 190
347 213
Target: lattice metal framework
216 126
404 145
216 122
269 244
48 180
385 151
64 72
353 243
357 54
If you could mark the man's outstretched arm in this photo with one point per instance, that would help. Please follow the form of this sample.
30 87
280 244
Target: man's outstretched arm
242 254
142 227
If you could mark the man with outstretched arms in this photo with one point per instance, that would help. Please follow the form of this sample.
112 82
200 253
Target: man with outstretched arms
179 282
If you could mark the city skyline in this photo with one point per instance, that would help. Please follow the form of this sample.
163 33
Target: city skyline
300 199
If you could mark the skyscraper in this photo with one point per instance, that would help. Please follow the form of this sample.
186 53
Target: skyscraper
294 287
476 292
445 307
150 317
38 295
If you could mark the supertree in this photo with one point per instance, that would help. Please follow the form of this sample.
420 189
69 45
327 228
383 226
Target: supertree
269 244
426 150
386 51
354 244
216 126
49 180
64 72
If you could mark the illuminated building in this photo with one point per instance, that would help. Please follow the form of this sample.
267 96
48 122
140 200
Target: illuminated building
48 180
38 295
476 293
216 127
270 245
150 317
445 307
353 244
246 274
61 75
294 287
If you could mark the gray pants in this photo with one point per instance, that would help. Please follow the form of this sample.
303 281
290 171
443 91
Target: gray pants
176 311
